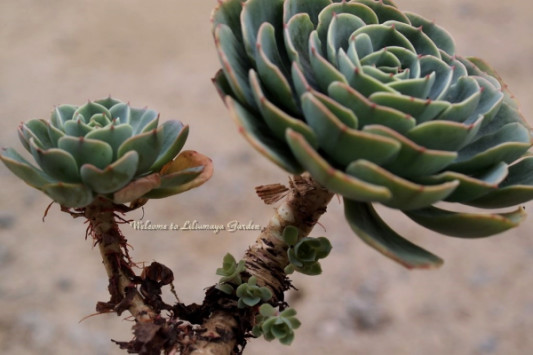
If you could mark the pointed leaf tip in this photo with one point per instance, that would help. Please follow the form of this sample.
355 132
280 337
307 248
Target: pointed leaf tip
137 188
366 223
466 225
190 169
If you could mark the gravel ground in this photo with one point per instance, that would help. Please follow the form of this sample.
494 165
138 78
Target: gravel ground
161 55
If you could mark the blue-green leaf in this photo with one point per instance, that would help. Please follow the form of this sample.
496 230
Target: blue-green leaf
366 223
466 225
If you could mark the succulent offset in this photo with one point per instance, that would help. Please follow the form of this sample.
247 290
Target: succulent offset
276 326
250 294
304 255
106 148
374 103
231 274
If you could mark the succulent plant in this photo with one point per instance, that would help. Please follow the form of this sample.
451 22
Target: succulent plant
304 255
374 103
250 294
106 148
231 274
274 326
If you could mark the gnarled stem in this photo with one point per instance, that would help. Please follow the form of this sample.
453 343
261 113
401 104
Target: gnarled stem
266 259
217 326
112 245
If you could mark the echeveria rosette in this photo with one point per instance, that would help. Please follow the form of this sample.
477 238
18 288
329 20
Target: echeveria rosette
106 148
376 106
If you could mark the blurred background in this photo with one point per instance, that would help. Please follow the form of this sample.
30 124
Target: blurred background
160 54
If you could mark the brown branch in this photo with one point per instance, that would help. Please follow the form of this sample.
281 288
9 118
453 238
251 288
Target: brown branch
217 326
266 259
113 249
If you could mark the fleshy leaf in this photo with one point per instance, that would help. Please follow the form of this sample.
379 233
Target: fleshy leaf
38 129
173 136
325 72
254 14
419 87
422 43
464 97
366 223
290 235
333 179
444 75
76 128
108 102
69 195
147 145
276 119
222 85
257 134
342 113
190 169
342 143
385 10
228 12
413 160
113 177
369 112
507 145
57 163
121 113
340 29
62 114
326 16
87 151
55 134
420 110
114 135
443 135
24 169
296 35
143 120
88 110
137 188
405 194
311 8
470 187
235 70
271 70
466 225
517 188
438 35
385 36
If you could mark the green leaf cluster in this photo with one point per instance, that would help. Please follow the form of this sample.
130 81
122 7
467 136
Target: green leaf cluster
231 274
106 148
276 326
250 294
304 255
377 106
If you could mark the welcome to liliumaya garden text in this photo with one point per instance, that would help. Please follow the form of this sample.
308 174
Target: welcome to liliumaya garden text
194 225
